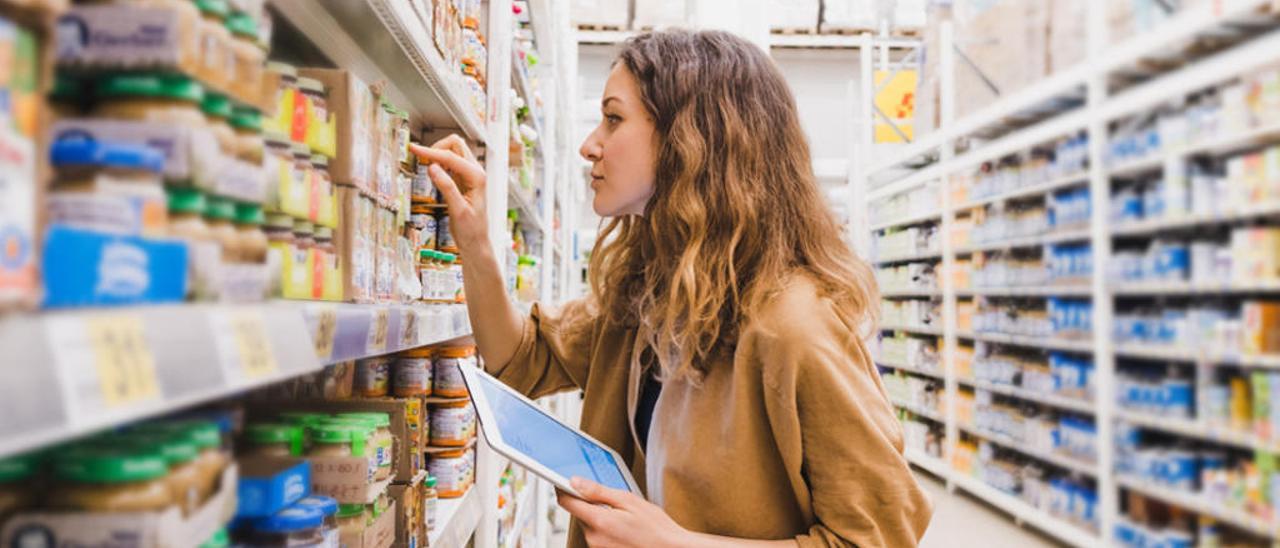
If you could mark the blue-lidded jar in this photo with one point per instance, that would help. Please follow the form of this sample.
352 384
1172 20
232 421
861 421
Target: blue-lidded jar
293 526
107 187
328 506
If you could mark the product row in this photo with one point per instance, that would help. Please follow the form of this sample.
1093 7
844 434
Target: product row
907 241
1028 427
1060 495
1146 521
1053 161
905 350
923 200
1054 265
1245 328
911 313
907 277
1053 317
917 393
1054 373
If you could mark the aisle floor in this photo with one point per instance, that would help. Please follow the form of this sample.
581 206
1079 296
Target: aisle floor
962 521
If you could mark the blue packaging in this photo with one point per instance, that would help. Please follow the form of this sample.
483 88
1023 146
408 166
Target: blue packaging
268 485
85 268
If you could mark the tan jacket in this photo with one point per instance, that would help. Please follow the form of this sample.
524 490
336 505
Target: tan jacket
793 439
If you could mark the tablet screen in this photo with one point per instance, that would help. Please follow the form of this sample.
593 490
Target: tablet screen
527 429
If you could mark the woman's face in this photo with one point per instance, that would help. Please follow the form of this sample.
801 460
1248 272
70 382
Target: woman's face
622 149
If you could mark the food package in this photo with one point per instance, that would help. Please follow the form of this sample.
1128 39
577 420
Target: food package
352 104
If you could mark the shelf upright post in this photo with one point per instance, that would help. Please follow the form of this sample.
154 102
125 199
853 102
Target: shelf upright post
949 321
1100 242
859 172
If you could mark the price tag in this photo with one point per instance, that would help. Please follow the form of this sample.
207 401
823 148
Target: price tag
245 350
378 331
326 330
409 336
125 368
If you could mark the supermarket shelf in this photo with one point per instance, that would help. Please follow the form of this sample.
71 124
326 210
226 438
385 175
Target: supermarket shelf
525 205
1055 237
910 257
1198 355
1047 343
1029 291
525 89
916 329
910 293
908 220
1188 288
1152 227
926 413
456 519
1075 179
1197 430
524 502
823 41
1061 461
385 41
1053 400
1198 504
114 366
1019 509
913 369
931 464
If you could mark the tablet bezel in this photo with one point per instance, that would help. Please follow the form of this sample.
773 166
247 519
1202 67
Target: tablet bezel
493 434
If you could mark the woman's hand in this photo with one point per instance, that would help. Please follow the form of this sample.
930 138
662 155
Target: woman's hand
624 520
461 180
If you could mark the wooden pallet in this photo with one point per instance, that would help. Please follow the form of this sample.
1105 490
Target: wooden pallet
598 27
792 31
845 31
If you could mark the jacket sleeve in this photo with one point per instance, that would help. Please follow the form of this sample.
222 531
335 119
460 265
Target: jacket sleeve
839 437
554 351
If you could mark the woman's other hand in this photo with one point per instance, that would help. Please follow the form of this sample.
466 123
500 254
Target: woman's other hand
614 518
461 180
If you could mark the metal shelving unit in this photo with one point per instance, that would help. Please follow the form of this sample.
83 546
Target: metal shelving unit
1085 98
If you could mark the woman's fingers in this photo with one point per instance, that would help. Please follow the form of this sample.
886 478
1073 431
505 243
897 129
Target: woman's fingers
600 494
457 145
468 171
448 188
588 512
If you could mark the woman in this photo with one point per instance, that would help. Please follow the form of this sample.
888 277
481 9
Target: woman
720 348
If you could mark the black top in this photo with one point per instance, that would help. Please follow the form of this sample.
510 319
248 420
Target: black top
644 408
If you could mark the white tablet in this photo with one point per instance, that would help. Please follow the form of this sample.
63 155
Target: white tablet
520 430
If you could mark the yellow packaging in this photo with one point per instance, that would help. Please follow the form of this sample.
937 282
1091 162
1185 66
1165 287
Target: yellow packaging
1261 327
296 272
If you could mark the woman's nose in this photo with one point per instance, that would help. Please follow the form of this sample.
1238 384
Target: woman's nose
590 149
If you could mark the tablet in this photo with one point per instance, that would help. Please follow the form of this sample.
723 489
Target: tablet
520 430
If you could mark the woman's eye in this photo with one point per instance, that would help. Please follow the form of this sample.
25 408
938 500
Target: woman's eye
613 118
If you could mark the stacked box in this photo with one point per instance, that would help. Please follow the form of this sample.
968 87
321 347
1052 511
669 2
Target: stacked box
658 14
1002 50
1068 34
793 15
599 13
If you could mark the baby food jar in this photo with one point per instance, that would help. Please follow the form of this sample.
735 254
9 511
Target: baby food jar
217 111
219 214
373 377
278 165
422 190
448 376
163 98
452 470
412 373
219 539
430 500
16 486
211 459
382 440
323 195
333 438
109 187
452 424
444 236
253 241
249 58
316 96
250 144
293 526
110 480
326 257
215 43
186 223
279 232
352 519
328 507
268 439
180 454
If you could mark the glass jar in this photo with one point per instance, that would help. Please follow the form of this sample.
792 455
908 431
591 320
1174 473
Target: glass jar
326 258
422 189
180 454
250 144
219 214
452 470
444 236
315 93
253 241
329 529
215 43
17 490
279 232
248 58
186 223
428 272
278 165
448 377
411 375
162 98
284 98
339 438
293 526
322 192
108 187
217 110
300 203
430 500
305 421
352 519
268 439
212 458
373 377
383 441
110 480
453 424
301 269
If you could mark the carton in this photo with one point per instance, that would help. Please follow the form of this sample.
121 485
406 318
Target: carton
92 268
381 534
1001 49
410 521
353 105
408 427
268 485
1261 327
164 529
190 154
356 241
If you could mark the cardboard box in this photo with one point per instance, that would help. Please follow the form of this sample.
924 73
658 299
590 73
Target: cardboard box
408 427
268 485
1261 327
1005 45
357 244
381 534
165 529
659 14
92 268
354 106
793 15
1068 35
411 530
347 479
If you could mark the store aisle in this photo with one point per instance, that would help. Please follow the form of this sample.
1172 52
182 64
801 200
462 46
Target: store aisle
961 521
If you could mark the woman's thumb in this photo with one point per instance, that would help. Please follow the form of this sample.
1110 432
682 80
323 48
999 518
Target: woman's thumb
448 188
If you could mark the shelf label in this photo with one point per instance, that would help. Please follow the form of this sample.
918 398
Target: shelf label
104 363
243 345
377 341
326 330
409 335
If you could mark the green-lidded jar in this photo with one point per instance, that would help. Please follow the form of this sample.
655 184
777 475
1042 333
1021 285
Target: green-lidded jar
220 539
352 518
217 111
161 98
335 438
430 501
271 439
249 219
383 442
212 460
111 480
250 143
180 455
17 489
219 213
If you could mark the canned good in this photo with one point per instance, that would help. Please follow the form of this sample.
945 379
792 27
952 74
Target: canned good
454 472
452 424
448 376
411 374
373 377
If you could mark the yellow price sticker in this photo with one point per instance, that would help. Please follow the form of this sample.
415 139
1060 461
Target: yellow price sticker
126 369
378 331
252 345
326 330
409 336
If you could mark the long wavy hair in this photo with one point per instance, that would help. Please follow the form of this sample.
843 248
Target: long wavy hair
736 209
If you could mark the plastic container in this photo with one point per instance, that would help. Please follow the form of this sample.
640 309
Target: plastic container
294 526
412 373
247 56
430 503
253 240
329 529
448 382
373 377
219 214
180 454
217 110
110 480
352 518
383 442
108 187
17 489
273 440
250 143
162 98
452 424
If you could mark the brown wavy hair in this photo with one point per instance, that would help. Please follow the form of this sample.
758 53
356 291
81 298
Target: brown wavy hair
735 212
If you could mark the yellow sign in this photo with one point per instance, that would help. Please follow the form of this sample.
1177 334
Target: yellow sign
126 369
326 330
256 359
896 99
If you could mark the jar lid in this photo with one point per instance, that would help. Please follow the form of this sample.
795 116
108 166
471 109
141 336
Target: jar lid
83 152
291 519
301 150
175 449
310 84
220 208
220 539
268 433
431 481
242 24
277 139
284 69
324 233
204 434
281 221
301 418
326 505
340 432
381 420
249 214
17 468
303 227
67 87
176 87
216 8
320 160
426 255
185 200
457 351
350 510
216 105
111 466
449 257
247 118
